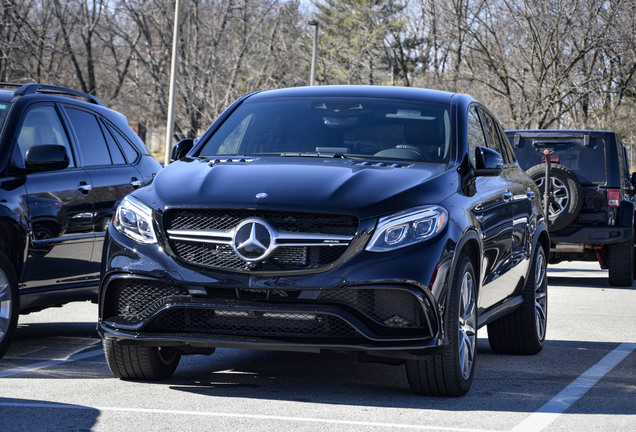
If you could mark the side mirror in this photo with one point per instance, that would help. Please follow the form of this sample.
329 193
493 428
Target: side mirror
181 149
488 161
46 157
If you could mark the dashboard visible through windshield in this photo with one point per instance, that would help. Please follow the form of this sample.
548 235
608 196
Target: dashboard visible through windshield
351 127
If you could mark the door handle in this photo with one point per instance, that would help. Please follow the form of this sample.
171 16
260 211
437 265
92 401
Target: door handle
507 196
135 182
84 187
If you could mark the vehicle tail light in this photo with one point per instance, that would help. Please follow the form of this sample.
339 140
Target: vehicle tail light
553 159
613 197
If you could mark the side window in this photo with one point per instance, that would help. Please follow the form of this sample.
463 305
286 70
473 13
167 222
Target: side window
91 139
492 135
41 125
115 151
509 157
475 134
129 150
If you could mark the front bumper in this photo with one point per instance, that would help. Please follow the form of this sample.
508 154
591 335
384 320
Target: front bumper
378 318
148 298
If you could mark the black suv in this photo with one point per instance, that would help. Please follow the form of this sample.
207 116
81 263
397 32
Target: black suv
389 221
590 197
66 161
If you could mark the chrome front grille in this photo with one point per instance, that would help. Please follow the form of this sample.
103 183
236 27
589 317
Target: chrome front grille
300 241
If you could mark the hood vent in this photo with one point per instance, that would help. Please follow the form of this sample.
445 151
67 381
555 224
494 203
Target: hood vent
231 160
382 164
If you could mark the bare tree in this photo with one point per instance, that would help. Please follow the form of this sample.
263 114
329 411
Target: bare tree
544 59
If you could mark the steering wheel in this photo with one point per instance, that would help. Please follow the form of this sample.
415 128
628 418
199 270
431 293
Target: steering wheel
414 149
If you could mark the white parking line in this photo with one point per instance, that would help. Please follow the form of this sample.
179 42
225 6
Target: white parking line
49 363
536 422
569 395
245 416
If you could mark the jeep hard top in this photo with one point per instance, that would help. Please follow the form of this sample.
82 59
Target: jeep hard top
590 198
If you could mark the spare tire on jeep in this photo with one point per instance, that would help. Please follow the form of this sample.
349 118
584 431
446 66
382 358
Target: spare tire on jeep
567 194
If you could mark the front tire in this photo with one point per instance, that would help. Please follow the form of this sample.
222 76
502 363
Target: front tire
130 362
450 373
523 331
9 303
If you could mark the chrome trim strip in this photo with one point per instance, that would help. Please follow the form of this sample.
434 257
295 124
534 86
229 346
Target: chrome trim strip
279 239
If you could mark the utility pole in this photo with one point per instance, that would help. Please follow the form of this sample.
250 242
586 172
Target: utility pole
173 79
312 78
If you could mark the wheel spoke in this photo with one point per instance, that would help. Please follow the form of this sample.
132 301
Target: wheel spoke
558 204
5 292
4 326
467 326
540 296
466 354
560 196
540 321
5 307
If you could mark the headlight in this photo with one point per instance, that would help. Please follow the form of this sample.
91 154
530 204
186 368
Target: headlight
407 228
134 219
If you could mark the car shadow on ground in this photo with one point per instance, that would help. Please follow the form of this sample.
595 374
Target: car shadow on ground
55 329
588 279
83 418
502 383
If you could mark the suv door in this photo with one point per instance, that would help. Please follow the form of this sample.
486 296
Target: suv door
521 200
108 159
494 216
59 203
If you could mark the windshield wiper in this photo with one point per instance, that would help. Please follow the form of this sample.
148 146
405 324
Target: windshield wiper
317 155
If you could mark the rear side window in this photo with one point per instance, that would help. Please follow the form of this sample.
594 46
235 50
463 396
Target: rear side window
587 162
129 150
115 151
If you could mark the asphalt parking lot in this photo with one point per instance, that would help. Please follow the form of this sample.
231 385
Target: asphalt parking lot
54 378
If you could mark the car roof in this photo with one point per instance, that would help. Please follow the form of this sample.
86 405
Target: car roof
387 92
6 95
556 133
8 91
33 92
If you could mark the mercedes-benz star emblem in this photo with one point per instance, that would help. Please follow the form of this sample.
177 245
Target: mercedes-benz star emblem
253 240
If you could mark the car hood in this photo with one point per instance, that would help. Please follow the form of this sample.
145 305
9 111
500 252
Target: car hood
334 185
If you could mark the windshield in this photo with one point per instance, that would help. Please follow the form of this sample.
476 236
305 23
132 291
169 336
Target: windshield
362 127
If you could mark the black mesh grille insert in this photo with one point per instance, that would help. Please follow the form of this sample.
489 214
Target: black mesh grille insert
133 300
297 222
388 307
251 323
